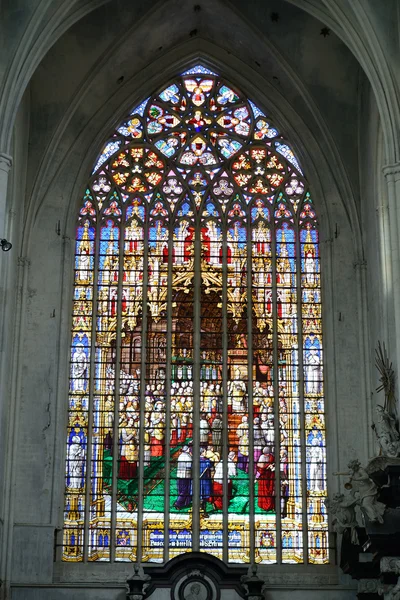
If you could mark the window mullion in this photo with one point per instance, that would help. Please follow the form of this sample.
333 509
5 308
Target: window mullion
303 445
117 394
167 438
225 489
278 525
196 395
88 473
142 394
250 385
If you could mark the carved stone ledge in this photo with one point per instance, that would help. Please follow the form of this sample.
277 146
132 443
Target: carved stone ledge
293 580
5 162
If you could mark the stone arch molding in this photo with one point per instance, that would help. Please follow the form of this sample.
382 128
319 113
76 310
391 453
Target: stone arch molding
352 22
162 74
326 179
65 185
72 151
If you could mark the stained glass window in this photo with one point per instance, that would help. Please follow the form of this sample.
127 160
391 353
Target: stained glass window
196 399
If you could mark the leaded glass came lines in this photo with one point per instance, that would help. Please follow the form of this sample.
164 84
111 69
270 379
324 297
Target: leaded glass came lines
196 399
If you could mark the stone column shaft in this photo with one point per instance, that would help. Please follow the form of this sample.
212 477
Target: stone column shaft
392 176
6 264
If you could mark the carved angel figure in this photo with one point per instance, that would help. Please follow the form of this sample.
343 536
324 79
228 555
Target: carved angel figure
365 492
386 432
343 512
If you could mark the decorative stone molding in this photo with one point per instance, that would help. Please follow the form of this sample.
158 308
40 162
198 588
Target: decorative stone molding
253 585
195 585
23 261
390 564
368 586
137 584
5 162
392 172
293 580
198 576
360 264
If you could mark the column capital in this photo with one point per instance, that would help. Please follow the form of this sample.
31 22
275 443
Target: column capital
5 162
392 172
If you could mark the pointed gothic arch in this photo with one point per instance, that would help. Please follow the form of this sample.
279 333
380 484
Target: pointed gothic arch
197 239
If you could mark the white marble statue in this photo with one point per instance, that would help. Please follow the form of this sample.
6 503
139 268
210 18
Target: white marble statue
342 510
365 492
387 433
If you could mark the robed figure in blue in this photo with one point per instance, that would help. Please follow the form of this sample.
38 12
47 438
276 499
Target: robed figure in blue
205 479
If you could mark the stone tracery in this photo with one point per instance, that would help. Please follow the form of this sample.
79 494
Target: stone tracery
197 272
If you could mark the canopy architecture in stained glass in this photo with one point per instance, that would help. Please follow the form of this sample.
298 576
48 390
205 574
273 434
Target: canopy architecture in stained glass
196 399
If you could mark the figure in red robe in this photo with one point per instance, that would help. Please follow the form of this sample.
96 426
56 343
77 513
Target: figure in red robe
124 302
113 301
188 244
129 452
228 255
266 480
157 437
165 254
206 244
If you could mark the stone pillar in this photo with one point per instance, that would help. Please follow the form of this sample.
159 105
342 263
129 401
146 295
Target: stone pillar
360 268
7 263
5 166
392 176
6 260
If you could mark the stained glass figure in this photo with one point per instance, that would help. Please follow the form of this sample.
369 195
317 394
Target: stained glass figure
196 398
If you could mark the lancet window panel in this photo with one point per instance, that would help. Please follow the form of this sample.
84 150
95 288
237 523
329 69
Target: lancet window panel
196 397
